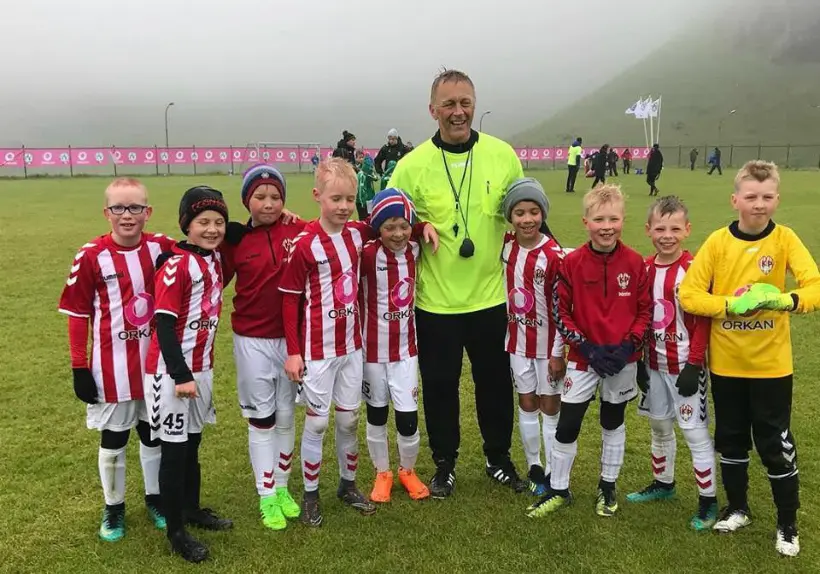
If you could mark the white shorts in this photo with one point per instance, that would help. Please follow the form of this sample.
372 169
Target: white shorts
663 401
397 382
337 380
115 417
580 386
532 376
172 418
261 383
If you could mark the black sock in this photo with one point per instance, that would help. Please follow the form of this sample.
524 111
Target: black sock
736 483
311 494
606 486
172 483
193 473
346 484
786 494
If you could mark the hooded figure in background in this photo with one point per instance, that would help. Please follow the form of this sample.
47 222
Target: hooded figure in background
365 191
391 165
393 150
346 148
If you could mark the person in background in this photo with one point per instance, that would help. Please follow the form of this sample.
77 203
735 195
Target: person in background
693 158
409 145
346 148
365 192
715 161
626 157
391 165
393 150
654 166
574 163
613 162
599 162
315 160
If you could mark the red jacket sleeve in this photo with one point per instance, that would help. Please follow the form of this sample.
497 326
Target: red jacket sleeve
78 341
637 332
699 340
562 306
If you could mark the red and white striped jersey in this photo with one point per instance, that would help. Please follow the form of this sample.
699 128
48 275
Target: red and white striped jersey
675 336
189 287
529 278
114 287
325 268
387 301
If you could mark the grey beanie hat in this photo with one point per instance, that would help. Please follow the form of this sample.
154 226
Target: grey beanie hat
525 189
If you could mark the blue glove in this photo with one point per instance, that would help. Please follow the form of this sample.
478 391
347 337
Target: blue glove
618 355
598 358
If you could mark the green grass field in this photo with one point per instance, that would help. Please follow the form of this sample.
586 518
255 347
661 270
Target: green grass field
50 499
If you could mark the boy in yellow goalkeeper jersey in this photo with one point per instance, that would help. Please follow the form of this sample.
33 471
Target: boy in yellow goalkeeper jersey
738 278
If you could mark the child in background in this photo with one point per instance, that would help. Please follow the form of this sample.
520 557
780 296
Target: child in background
738 278
674 387
111 285
536 351
365 192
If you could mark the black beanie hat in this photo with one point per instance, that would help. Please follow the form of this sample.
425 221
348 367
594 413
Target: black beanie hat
199 199
347 136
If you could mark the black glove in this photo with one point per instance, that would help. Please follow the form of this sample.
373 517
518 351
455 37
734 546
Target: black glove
598 358
84 386
618 355
234 232
689 380
642 377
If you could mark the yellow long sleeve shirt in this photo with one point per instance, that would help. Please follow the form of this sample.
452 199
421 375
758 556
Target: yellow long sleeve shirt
758 345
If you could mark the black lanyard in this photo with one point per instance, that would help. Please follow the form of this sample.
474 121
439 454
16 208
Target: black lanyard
465 214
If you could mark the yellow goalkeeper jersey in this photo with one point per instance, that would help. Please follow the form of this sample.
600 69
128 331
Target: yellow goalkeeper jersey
757 345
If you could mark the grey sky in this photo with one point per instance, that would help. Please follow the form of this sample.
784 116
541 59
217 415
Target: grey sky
100 72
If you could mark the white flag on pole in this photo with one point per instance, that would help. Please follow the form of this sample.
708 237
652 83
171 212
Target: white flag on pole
630 111
654 107
642 109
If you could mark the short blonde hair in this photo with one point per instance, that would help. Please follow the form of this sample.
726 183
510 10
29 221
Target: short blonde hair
334 168
757 170
122 182
667 205
601 195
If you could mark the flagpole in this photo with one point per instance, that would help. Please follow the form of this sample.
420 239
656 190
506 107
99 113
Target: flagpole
660 105
651 121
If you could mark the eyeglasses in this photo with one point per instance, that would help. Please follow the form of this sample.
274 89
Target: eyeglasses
133 209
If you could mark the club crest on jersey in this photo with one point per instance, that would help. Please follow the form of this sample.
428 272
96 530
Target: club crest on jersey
539 277
567 384
287 245
766 264
623 280
686 412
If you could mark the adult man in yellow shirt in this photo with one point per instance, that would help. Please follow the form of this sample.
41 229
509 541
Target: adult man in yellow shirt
457 180
574 154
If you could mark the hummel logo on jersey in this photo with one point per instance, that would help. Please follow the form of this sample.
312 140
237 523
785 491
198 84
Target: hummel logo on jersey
111 276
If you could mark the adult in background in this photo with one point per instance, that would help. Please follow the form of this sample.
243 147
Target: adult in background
715 161
393 150
613 162
574 154
654 166
626 157
458 179
346 148
693 158
599 163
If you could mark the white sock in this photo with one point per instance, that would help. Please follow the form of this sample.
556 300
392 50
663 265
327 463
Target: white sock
563 456
530 436
112 474
409 450
549 423
347 443
703 459
149 460
260 446
312 437
612 452
377 447
284 439
664 449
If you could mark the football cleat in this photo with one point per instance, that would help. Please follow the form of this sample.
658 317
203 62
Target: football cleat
188 547
207 519
548 504
443 482
354 498
606 504
655 491
506 475
112 527
311 512
732 519
382 487
415 488
788 543
538 482
706 516
153 504
272 516
289 507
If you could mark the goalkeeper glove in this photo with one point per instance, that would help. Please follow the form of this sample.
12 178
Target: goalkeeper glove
598 358
85 388
619 355
689 380
642 377
772 299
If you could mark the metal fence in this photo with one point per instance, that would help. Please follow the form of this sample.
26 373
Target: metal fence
733 156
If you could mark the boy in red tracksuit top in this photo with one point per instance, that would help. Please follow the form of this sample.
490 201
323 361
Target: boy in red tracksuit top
256 253
602 309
